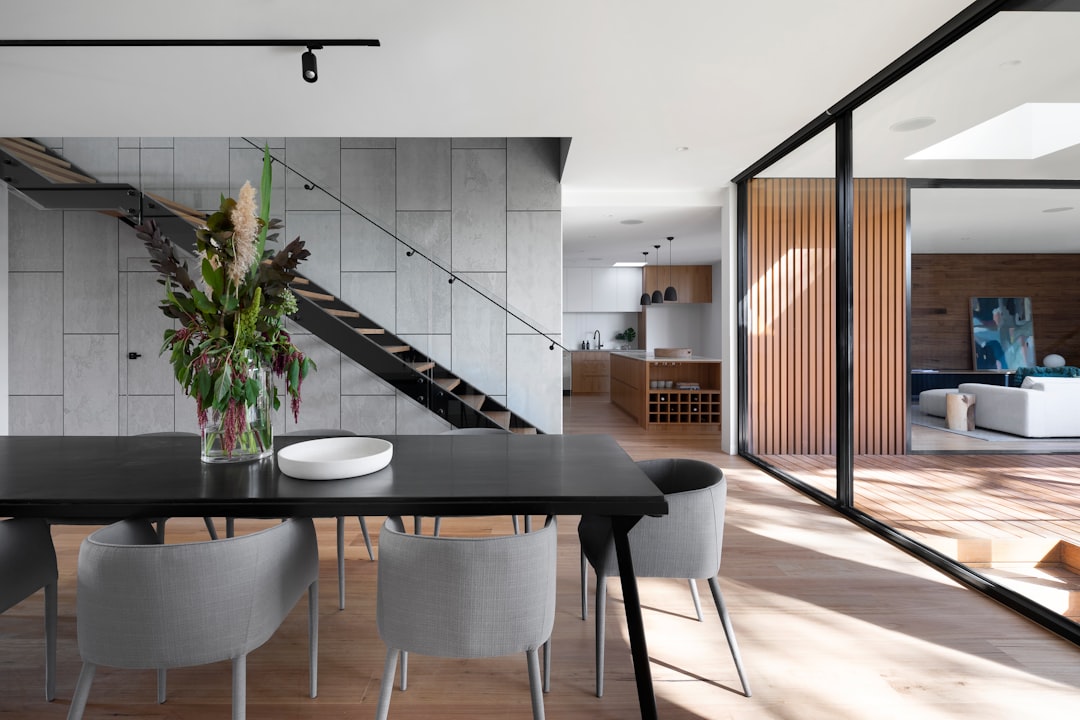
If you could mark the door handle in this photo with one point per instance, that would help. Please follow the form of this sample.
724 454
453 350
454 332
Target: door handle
133 356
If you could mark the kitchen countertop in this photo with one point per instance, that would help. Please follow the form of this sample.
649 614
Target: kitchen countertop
644 355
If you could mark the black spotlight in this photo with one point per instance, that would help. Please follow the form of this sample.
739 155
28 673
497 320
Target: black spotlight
308 64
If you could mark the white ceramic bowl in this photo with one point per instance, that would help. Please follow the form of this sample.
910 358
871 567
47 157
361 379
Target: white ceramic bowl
335 457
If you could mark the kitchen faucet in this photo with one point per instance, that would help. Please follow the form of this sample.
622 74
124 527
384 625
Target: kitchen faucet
596 336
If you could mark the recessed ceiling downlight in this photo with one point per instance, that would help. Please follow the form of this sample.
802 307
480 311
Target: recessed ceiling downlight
915 123
631 221
1063 208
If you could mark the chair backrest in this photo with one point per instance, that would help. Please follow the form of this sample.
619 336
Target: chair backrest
321 432
465 597
144 605
475 431
685 543
27 559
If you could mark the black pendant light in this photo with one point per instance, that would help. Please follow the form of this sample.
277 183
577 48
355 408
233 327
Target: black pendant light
645 299
657 296
670 295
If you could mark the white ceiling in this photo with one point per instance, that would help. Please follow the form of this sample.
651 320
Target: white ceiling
629 80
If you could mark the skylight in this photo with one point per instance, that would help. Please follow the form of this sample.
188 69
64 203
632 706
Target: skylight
629 264
1026 132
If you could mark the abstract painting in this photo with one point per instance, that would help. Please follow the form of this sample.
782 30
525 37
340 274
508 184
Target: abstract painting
1002 337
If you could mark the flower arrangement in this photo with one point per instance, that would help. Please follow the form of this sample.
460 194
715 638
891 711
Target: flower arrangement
232 321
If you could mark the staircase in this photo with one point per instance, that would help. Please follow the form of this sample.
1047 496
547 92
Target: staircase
52 183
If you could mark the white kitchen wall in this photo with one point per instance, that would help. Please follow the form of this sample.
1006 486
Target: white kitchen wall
580 326
83 293
676 325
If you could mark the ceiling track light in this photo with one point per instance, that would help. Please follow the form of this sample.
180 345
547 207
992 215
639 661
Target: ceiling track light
645 298
670 294
308 65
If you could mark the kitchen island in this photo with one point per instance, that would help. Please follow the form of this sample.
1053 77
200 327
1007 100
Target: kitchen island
678 394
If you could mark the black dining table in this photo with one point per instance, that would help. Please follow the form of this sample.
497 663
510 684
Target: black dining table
82 478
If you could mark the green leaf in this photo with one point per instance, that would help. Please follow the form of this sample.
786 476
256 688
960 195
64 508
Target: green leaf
265 187
307 367
203 303
251 391
204 383
214 277
224 385
294 374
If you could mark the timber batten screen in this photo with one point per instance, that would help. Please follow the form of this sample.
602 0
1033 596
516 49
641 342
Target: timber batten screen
792 295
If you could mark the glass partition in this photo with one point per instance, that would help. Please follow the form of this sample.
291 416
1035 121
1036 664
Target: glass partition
790 311
967 200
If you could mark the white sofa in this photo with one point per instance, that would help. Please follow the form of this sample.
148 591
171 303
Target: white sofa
1041 407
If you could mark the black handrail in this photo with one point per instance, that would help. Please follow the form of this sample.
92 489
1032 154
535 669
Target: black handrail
310 184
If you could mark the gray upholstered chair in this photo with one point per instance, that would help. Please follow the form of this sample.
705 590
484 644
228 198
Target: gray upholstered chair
472 431
685 543
464 598
335 432
27 564
146 605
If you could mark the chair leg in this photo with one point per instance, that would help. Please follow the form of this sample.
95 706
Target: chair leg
601 611
387 686
404 670
161 686
210 527
341 562
721 608
697 600
534 684
239 687
547 666
313 637
528 523
584 587
82 691
515 521
230 527
438 524
50 641
367 537
161 531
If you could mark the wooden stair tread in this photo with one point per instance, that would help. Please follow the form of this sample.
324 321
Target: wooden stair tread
448 383
524 430
342 313
370 331
28 143
396 348
422 366
312 295
33 154
473 401
500 416
193 216
46 165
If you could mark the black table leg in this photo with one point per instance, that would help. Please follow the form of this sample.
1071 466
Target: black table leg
634 623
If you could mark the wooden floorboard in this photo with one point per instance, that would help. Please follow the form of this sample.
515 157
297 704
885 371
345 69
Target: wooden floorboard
832 623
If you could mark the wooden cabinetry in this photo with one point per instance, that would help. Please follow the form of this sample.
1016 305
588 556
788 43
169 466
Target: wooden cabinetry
591 372
692 282
667 407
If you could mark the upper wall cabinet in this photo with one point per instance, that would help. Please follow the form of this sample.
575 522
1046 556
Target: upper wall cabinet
692 282
601 290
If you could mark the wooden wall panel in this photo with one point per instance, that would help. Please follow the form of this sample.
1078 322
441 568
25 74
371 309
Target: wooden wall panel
942 287
792 316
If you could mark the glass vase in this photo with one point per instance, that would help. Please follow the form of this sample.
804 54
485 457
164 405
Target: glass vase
256 440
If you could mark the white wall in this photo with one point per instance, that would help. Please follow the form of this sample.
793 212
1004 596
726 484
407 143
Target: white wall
4 305
675 325
712 318
580 326
724 274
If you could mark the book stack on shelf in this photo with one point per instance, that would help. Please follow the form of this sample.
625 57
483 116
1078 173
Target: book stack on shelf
688 386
